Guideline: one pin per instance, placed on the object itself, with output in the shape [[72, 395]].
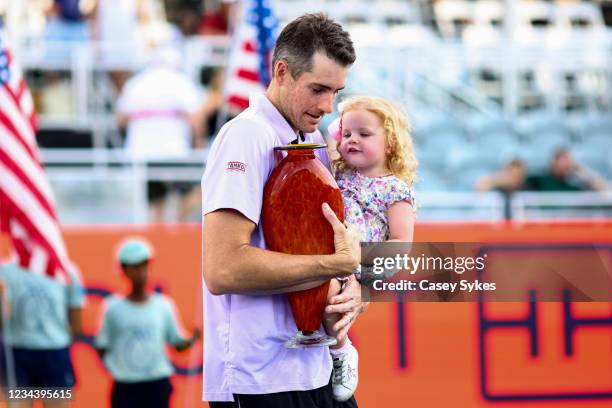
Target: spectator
[[565, 174], [160, 107], [115, 27], [508, 180], [221, 20], [65, 24], [211, 115], [44, 316]]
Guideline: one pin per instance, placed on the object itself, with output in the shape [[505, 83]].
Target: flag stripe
[[249, 65], [238, 101], [31, 168], [249, 46], [27, 208], [23, 198], [10, 127], [18, 201], [12, 117], [19, 173], [20, 90], [248, 75]]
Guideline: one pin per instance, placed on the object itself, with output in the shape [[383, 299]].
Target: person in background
[[66, 24], [221, 20], [134, 333], [159, 106], [565, 174], [211, 115], [43, 318], [115, 24], [509, 179]]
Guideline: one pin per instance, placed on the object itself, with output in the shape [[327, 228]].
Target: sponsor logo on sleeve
[[236, 166]]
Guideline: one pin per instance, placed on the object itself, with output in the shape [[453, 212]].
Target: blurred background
[[493, 89]]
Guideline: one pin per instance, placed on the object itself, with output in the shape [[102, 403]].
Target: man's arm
[[185, 344], [75, 318], [232, 265]]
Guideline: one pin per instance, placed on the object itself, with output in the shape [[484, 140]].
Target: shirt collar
[[261, 102]]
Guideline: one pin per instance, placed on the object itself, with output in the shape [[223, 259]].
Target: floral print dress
[[367, 199]]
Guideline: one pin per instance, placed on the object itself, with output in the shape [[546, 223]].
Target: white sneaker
[[344, 377]]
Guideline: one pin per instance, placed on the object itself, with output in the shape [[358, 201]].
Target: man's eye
[[317, 90]]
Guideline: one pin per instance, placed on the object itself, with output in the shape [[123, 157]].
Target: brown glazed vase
[[293, 222]]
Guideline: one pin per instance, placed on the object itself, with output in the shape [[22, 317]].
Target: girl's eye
[[364, 134], [346, 135]]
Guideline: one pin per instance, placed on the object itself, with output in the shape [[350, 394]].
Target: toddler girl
[[375, 170]]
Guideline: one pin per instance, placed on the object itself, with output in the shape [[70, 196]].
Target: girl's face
[[363, 142]]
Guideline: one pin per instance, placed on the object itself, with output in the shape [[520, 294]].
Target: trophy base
[[313, 339]]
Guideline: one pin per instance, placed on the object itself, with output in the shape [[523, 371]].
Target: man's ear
[[281, 71]]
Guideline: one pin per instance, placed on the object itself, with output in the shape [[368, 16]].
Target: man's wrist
[[334, 266]]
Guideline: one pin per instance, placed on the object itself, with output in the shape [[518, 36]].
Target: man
[[159, 106], [44, 316], [246, 314], [565, 174]]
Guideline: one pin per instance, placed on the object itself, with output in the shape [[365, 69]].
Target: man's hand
[[349, 304], [346, 242]]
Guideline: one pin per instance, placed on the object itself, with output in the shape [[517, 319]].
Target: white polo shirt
[[244, 335], [157, 102]]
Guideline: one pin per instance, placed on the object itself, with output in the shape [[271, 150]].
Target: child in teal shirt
[[135, 331]]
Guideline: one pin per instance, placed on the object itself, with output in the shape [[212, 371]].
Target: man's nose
[[326, 103]]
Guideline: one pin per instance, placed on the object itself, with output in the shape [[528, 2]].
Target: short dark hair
[[307, 34]]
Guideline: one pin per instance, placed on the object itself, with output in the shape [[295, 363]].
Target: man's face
[[304, 100], [562, 164]]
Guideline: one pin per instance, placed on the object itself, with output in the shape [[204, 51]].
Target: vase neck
[[301, 153]]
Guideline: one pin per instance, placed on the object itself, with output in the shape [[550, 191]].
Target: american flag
[[27, 207], [249, 64]]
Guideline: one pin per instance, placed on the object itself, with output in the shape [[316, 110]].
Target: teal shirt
[[135, 335], [38, 308]]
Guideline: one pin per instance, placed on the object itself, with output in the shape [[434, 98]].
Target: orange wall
[[417, 354]]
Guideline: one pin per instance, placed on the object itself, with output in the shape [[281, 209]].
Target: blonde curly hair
[[401, 160]]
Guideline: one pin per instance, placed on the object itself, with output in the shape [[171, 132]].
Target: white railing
[[555, 205]]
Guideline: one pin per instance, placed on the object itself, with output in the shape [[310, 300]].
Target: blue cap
[[134, 252]]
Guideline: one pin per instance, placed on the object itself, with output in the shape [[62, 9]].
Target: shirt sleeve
[[400, 191], [236, 169], [173, 334], [76, 292]]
